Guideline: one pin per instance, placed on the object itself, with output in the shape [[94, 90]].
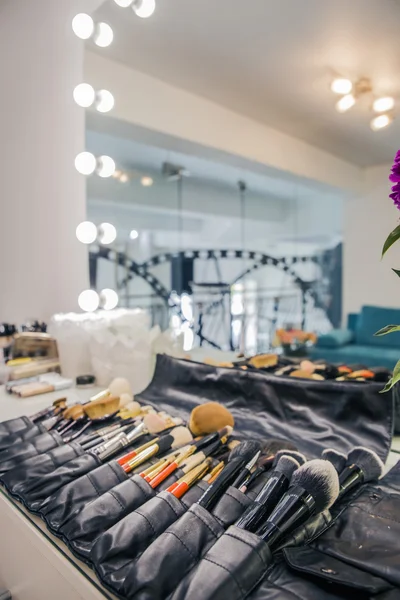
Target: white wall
[[368, 219]]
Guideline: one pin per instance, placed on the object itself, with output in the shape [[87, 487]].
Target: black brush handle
[[219, 487], [264, 503]]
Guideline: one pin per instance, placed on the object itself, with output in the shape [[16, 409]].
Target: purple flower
[[395, 195]]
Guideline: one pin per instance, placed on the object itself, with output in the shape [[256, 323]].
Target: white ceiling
[[273, 60]]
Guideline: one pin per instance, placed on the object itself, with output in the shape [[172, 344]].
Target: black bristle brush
[[338, 459], [314, 488], [238, 458], [271, 450], [362, 465], [269, 496]]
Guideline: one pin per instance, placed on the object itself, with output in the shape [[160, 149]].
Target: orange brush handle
[[163, 475], [172, 487], [124, 459], [180, 490]]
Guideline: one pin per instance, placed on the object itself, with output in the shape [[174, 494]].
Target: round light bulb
[[341, 86], [146, 181], [134, 234], [107, 234], [83, 26], [380, 122], [108, 299], [144, 8], [124, 178], [85, 163], [345, 103], [123, 3], [86, 232], [104, 101], [383, 104], [84, 95], [89, 301], [106, 166], [103, 35]]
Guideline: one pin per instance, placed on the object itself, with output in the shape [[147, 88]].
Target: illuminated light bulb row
[[85, 28], [382, 105], [142, 8], [87, 233], [86, 163], [90, 300], [85, 96]]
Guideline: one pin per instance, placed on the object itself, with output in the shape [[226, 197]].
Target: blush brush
[[336, 458]]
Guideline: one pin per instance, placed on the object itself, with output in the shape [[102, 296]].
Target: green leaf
[[393, 380], [397, 272], [391, 239], [387, 329]]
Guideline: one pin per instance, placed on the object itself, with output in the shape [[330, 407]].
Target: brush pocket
[[19, 452], [14, 426], [116, 551], [70, 498], [231, 568], [29, 473], [230, 507], [81, 531], [25, 435], [41, 493], [173, 555]]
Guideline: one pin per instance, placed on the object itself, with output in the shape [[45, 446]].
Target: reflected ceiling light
[[123, 3], [383, 104], [381, 121], [134, 234], [83, 26], [345, 103], [89, 301], [104, 101], [85, 163], [341, 86], [105, 166], [84, 95], [103, 35], [86, 232], [124, 178], [144, 8], [109, 299], [146, 181], [107, 234]]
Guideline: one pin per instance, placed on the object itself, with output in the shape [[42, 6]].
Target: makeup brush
[[269, 496], [336, 458], [246, 472], [212, 476], [207, 451], [362, 465], [213, 437], [237, 460], [177, 438], [298, 456], [173, 466], [155, 468], [180, 487], [209, 417], [263, 464], [314, 488]]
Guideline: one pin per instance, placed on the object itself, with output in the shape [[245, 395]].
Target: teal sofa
[[357, 344]]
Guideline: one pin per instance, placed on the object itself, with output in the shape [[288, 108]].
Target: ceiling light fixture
[[341, 86], [144, 8], [383, 104], [146, 181], [345, 103], [380, 122], [134, 234], [86, 232]]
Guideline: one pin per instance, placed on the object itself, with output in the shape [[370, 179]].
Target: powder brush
[[362, 465]]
